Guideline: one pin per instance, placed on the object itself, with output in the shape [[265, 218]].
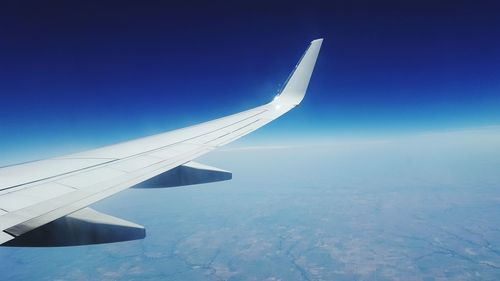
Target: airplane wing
[[44, 203]]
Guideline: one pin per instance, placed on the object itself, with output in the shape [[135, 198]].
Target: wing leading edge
[[37, 193]]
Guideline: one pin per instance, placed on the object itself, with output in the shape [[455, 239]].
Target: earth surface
[[423, 207]]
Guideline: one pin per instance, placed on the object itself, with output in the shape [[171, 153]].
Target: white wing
[[54, 193]]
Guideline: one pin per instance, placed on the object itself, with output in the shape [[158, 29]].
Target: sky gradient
[[80, 74]]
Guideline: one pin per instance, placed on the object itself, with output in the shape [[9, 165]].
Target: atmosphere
[[375, 156], [82, 74]]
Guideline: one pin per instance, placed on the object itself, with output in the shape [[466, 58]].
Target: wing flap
[[30, 196], [90, 178], [32, 172]]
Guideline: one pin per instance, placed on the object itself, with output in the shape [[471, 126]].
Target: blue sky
[[80, 74]]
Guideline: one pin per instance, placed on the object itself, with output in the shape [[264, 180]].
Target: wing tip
[[317, 41], [297, 83]]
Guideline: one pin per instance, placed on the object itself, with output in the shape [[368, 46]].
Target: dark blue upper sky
[[77, 74]]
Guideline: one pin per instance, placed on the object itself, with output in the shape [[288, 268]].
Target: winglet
[[296, 85]]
